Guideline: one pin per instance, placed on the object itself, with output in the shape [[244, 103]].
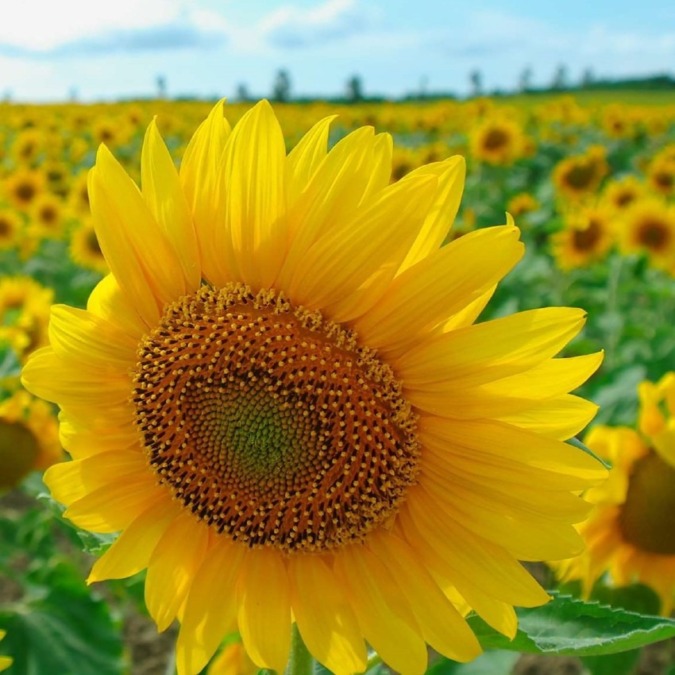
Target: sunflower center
[[495, 139], [645, 518], [580, 176], [587, 239], [272, 424], [653, 235]]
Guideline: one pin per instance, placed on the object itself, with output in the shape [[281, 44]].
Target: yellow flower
[[629, 532], [10, 228], [47, 216], [28, 438], [5, 661], [649, 227], [619, 194], [522, 203], [85, 249], [586, 238], [23, 186], [233, 660], [661, 176], [497, 140], [279, 399], [580, 175]]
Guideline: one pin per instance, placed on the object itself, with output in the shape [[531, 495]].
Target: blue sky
[[105, 50]]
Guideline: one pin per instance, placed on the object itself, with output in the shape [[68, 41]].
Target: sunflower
[[29, 439], [586, 238], [23, 186], [497, 140], [233, 660], [10, 228], [620, 193], [661, 176], [47, 216], [85, 250], [578, 176], [279, 399], [521, 204], [649, 227], [629, 532]]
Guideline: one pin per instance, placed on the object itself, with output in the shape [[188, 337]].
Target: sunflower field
[[311, 388]]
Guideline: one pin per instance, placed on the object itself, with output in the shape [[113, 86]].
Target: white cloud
[[291, 26], [36, 28]]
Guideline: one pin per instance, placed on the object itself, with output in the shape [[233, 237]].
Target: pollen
[[271, 423]]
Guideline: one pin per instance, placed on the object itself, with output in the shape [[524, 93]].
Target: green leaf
[[61, 628], [571, 626], [498, 662], [612, 664]]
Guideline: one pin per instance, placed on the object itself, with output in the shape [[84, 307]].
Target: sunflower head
[[629, 533], [580, 175], [279, 398]]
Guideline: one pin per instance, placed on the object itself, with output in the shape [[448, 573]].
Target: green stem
[[300, 661], [373, 660]]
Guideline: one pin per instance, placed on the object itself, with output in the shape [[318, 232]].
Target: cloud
[[132, 27], [293, 27]]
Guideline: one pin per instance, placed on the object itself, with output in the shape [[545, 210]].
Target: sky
[[96, 50]]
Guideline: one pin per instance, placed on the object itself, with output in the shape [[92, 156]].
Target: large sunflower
[[629, 533], [279, 399]]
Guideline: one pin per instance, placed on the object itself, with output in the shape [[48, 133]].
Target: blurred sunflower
[[580, 175], [620, 193], [586, 238], [24, 314], [279, 399], [85, 250], [47, 214], [497, 140], [521, 204], [649, 227], [10, 228], [630, 531], [23, 186], [661, 176], [29, 438]]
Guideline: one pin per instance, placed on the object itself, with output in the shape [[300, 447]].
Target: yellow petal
[[491, 350], [65, 381], [164, 196], [172, 567], [371, 243], [439, 286], [103, 436], [331, 197], [114, 507], [253, 196], [79, 334], [264, 615], [139, 254], [384, 617], [305, 158], [108, 302], [199, 175], [442, 625], [325, 620], [441, 215], [210, 608], [131, 551]]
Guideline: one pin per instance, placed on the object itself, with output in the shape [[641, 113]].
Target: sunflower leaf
[[571, 626]]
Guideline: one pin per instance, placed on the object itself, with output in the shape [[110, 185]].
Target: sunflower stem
[[373, 660], [300, 661]]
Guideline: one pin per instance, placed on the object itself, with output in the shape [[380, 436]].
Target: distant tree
[[559, 77], [242, 92], [281, 89], [476, 80], [161, 86], [525, 80], [587, 77], [355, 89]]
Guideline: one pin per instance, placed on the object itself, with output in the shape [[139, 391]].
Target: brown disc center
[[646, 517], [272, 424]]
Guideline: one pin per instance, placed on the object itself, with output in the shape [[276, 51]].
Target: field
[[590, 183]]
